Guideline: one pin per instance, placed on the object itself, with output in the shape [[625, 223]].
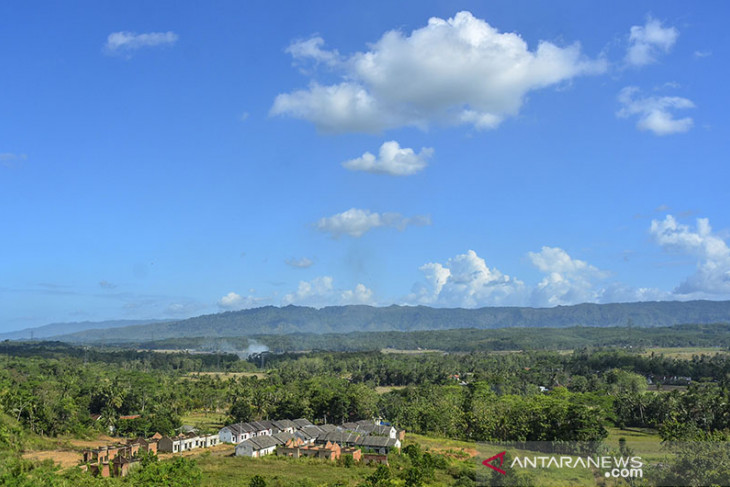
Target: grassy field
[[228, 375], [387, 389], [222, 471], [410, 352], [645, 442], [205, 421], [685, 353]]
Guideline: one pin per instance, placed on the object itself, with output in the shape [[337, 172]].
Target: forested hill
[[55, 329], [344, 319]]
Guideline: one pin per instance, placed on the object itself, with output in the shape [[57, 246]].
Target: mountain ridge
[[343, 319]]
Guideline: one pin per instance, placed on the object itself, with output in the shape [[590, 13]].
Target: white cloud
[[654, 113], [713, 267], [360, 295], [466, 72], [701, 54], [356, 222], [233, 301], [648, 41], [567, 280], [302, 263], [321, 292], [393, 160], [126, 42], [312, 49], [466, 281]]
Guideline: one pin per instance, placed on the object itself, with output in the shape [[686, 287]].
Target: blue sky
[[169, 159]]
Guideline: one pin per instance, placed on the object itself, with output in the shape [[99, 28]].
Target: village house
[[236, 433], [258, 446], [284, 426], [208, 440], [379, 444], [370, 435], [169, 444]]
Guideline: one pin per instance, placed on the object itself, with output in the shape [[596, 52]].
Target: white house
[[256, 447]]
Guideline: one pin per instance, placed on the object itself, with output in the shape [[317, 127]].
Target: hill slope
[[344, 319], [54, 329]]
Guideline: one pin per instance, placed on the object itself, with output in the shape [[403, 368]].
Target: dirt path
[[64, 458]]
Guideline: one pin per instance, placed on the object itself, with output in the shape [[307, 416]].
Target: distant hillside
[[343, 319], [55, 329]]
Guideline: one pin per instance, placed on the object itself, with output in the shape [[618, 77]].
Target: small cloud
[[302, 263], [356, 222], [321, 291], [233, 301], [311, 49], [393, 160], [126, 42], [9, 159], [648, 41], [107, 285], [702, 54], [654, 113], [244, 116], [662, 208]]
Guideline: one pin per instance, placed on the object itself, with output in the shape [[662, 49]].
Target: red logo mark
[[488, 463]]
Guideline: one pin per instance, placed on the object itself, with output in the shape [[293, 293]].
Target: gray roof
[[260, 442], [377, 441], [282, 438], [283, 424], [376, 429], [259, 426], [301, 422], [312, 430], [341, 437], [328, 428]]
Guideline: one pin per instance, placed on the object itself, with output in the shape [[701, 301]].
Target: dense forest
[[51, 389], [462, 340]]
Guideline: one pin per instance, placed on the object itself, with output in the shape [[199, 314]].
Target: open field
[[205, 421], [387, 389], [228, 375], [221, 471], [685, 353], [410, 352]]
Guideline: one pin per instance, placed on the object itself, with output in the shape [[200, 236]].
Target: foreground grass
[[221, 471]]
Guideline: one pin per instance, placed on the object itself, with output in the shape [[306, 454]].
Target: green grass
[[222, 471], [684, 353], [205, 421], [645, 442]]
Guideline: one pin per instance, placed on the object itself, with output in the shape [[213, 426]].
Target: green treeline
[[466, 339], [52, 389]]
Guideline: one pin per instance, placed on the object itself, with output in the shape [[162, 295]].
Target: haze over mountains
[[55, 329], [344, 319]]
